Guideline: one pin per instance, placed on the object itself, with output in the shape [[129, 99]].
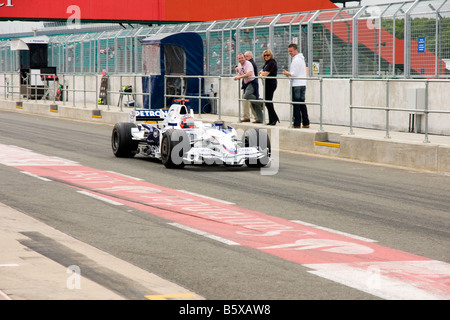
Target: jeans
[[300, 112]]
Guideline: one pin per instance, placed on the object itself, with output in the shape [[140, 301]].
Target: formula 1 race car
[[176, 139]]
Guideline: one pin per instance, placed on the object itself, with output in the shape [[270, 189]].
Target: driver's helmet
[[187, 122]]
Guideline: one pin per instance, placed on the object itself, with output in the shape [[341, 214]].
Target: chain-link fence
[[404, 39]]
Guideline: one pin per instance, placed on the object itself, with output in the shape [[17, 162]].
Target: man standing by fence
[[246, 72], [298, 70]]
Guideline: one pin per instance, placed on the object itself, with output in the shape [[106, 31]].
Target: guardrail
[[80, 89], [388, 108], [44, 87], [263, 100], [290, 102], [200, 96]]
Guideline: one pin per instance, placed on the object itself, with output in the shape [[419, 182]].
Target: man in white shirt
[[298, 70]]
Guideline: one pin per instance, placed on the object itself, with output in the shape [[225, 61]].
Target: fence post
[[96, 91], [321, 104], [20, 88], [64, 92], [35, 87], [73, 85], [219, 105], [54, 91], [135, 90], [84, 87], [120, 88], [351, 106], [199, 97], [264, 99], [239, 100], [387, 109], [4, 84], [291, 106], [426, 112], [165, 91]]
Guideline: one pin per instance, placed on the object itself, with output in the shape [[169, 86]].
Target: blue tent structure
[[171, 54]]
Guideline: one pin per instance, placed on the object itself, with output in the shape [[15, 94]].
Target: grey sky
[[18, 26]]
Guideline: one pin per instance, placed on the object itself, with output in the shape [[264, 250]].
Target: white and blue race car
[[174, 137]]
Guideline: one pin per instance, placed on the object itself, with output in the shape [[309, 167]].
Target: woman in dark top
[[270, 69]]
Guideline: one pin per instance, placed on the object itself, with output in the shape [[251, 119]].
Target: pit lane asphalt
[[403, 209]]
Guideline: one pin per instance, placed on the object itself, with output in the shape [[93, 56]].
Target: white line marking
[[5, 295], [126, 176], [35, 176], [100, 198], [334, 231], [9, 265], [206, 197], [394, 280], [204, 234]]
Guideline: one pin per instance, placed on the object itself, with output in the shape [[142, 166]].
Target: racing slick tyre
[[260, 139], [123, 146], [174, 145]]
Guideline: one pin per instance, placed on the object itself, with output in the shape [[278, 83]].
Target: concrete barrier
[[410, 155]]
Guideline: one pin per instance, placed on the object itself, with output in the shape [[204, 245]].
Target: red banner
[[151, 10]]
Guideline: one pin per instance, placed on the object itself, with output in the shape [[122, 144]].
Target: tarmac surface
[[28, 273], [22, 267]]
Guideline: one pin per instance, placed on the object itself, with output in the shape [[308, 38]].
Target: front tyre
[[174, 145], [122, 143], [260, 139]]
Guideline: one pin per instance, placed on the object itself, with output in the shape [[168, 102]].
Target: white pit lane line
[[100, 198], [334, 231], [124, 175], [206, 197], [35, 176], [204, 234]]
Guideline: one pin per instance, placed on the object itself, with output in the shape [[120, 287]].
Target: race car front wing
[[210, 156]]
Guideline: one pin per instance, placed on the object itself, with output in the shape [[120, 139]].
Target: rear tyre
[[174, 145], [123, 146], [260, 139]]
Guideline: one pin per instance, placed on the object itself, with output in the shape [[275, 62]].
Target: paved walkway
[[26, 273]]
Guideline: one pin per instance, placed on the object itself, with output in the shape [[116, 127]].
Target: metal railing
[[217, 98], [388, 108], [44, 87], [74, 94], [290, 102], [200, 96]]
